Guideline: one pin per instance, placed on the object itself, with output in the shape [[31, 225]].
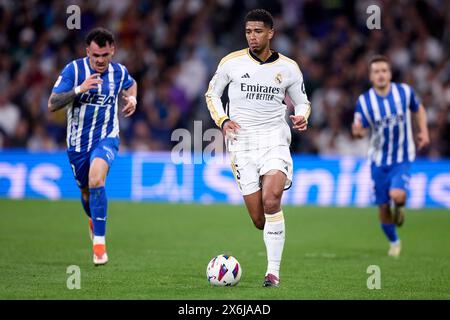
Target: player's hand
[[300, 122], [230, 130], [91, 82], [423, 140], [130, 107], [357, 129]]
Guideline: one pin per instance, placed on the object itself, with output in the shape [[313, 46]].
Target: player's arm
[[302, 106], [358, 131], [59, 100], [215, 90], [420, 118], [360, 124], [130, 97]]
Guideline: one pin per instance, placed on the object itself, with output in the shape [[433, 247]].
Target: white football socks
[[274, 232], [99, 240]]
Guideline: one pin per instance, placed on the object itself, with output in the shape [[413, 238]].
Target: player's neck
[[384, 90], [264, 55]]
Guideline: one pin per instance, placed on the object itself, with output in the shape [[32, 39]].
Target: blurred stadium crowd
[[172, 49]]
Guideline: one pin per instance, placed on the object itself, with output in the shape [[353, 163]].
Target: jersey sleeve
[[359, 115], [414, 102], [65, 81], [215, 90], [127, 79], [297, 93]]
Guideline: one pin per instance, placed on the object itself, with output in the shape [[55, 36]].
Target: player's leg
[[389, 229], [247, 177], [85, 200], [381, 181], [273, 183], [387, 222], [398, 192], [398, 197], [79, 163], [255, 208], [87, 209], [99, 205], [101, 160]]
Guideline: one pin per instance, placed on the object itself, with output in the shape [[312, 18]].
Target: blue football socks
[[98, 205], [390, 231]]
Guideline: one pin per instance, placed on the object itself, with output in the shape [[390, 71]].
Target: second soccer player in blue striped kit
[[388, 109], [89, 87]]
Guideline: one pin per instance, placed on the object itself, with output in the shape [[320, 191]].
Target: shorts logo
[[109, 153], [107, 149], [278, 78]]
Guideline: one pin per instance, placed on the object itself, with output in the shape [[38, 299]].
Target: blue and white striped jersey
[[93, 115], [389, 118]]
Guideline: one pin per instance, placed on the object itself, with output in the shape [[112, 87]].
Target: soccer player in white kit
[[256, 132]]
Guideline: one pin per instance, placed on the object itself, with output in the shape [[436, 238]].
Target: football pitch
[[160, 251]]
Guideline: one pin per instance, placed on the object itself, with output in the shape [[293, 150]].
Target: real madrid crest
[[278, 78]]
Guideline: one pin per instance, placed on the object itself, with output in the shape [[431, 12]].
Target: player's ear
[[88, 53], [271, 32], [113, 50]]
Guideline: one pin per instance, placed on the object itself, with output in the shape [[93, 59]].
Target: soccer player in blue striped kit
[[388, 108], [89, 87]]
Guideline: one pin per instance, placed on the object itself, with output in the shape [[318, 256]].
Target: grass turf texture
[[160, 251]]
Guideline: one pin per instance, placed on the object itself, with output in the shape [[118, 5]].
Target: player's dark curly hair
[[260, 15], [100, 36]]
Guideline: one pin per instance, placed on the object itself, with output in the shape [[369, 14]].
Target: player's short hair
[[260, 15], [100, 36], [379, 58]]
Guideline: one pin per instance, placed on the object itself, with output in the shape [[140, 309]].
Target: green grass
[[160, 251]]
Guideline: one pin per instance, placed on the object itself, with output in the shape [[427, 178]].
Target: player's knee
[[271, 203], [399, 197], [96, 181]]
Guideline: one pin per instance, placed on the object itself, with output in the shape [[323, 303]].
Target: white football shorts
[[249, 166]]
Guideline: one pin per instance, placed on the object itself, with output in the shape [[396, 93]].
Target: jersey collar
[[272, 58], [387, 94]]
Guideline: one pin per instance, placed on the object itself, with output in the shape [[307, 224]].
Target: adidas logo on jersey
[[245, 76]]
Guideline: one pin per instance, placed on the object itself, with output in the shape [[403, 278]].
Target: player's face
[[258, 36], [100, 57], [380, 74]]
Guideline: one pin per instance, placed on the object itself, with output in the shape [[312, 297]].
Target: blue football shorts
[[386, 178], [80, 162]]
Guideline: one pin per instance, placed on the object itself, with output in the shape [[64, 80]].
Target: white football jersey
[[256, 92]]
